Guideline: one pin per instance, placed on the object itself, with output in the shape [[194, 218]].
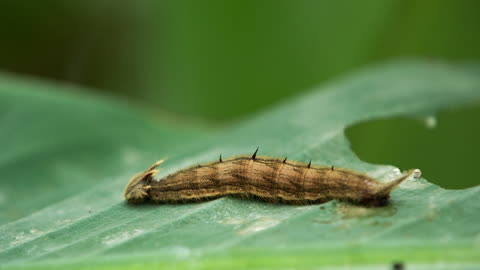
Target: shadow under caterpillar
[[269, 179]]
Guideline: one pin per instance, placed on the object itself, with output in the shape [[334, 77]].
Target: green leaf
[[66, 158]]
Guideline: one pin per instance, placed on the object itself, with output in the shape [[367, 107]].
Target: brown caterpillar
[[270, 179]]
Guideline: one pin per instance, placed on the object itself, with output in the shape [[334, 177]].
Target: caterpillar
[[269, 179]]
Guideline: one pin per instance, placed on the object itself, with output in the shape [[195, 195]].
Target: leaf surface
[[67, 157]]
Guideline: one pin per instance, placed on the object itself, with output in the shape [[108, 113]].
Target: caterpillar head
[[138, 186]]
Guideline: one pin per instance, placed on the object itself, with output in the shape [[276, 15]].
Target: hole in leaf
[[446, 148]]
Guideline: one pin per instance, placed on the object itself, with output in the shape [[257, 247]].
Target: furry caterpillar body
[[270, 179]]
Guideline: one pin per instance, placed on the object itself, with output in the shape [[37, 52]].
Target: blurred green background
[[221, 61]]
